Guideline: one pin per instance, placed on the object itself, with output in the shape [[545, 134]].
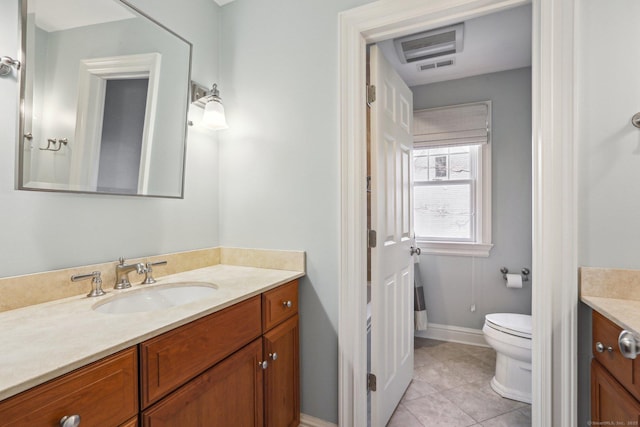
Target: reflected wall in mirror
[[105, 94]]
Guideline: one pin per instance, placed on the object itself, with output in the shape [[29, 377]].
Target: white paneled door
[[392, 219]]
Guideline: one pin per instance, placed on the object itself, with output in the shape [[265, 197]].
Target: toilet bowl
[[510, 336]]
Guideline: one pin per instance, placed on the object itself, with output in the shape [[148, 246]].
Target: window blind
[[462, 124]]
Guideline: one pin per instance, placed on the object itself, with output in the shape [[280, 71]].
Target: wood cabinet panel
[[274, 304], [104, 393], [611, 404], [171, 359], [133, 422], [229, 394], [282, 377], [607, 332]]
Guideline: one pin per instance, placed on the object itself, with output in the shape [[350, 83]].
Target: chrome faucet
[[122, 273]]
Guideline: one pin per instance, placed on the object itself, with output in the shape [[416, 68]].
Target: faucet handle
[[96, 283], [148, 276]]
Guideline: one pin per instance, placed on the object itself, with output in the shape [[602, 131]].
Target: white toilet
[[510, 336]]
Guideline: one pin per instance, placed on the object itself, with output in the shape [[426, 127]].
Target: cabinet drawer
[[104, 393], [275, 304], [606, 332], [171, 359]]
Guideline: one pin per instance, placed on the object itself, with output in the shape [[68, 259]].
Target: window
[[452, 180]]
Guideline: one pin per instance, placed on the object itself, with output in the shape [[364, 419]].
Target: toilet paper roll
[[514, 281]]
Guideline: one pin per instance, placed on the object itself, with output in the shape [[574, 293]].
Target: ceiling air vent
[[430, 44], [434, 65]]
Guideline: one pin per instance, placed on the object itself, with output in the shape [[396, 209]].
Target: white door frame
[[554, 264], [92, 84]]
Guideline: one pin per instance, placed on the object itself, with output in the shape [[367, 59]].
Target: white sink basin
[[156, 298]]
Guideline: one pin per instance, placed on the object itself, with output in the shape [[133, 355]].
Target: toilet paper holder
[[525, 273]]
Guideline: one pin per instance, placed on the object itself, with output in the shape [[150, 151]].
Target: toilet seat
[[518, 325]]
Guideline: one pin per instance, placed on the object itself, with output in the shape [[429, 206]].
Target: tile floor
[[451, 388]]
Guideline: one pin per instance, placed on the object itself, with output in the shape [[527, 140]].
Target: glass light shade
[[213, 116]]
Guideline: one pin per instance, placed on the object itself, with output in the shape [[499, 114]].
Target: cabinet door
[[282, 377], [611, 404], [229, 394]]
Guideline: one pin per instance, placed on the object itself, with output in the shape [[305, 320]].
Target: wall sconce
[[213, 117]]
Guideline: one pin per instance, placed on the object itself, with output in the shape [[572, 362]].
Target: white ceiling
[[496, 42], [65, 14]]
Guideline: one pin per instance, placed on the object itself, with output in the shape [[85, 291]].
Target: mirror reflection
[[105, 97]]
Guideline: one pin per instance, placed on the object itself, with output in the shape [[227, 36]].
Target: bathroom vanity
[[615, 379], [232, 359], [614, 296]]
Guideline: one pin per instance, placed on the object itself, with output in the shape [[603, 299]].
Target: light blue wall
[[45, 231], [279, 160], [608, 94], [453, 283]]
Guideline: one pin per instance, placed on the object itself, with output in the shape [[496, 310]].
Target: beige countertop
[[624, 313], [44, 341], [614, 293]]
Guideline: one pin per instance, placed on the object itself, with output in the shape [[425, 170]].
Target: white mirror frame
[[555, 294], [92, 85]]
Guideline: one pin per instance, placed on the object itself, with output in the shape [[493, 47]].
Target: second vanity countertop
[[44, 341], [624, 313], [614, 293]]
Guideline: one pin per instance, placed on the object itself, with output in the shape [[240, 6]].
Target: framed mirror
[[104, 99]]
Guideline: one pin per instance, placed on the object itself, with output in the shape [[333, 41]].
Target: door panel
[[282, 377], [392, 218], [229, 394]]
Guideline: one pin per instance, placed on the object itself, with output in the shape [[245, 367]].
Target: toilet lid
[[511, 323]]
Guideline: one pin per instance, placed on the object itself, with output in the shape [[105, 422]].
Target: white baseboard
[[309, 421], [453, 334]]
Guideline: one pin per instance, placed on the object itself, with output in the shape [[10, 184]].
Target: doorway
[[554, 207], [467, 67]]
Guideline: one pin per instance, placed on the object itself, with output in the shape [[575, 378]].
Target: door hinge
[[371, 94], [371, 382], [371, 238]]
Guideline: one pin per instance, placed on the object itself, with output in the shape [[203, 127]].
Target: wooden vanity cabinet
[[614, 387], [103, 393], [237, 367]]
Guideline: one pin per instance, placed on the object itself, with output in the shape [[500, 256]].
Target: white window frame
[[481, 189]]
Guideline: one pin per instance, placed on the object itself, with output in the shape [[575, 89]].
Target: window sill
[[455, 248]]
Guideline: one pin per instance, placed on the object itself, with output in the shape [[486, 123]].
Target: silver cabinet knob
[[273, 356], [70, 421], [287, 304], [415, 251], [264, 364], [628, 345], [600, 348]]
